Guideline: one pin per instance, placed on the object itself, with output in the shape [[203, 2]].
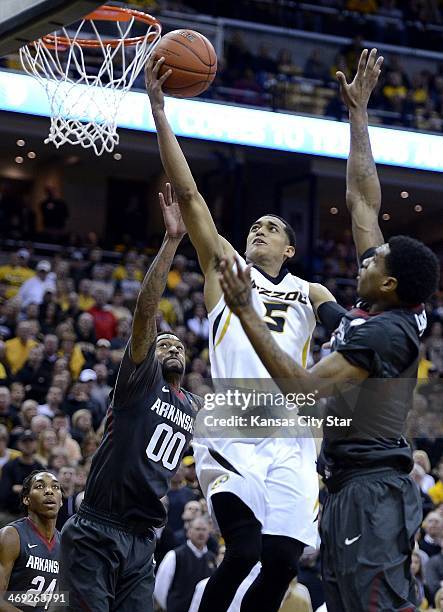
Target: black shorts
[[367, 530], [105, 568]]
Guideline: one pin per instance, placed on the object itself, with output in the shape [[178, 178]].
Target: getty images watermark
[[244, 400], [259, 410]]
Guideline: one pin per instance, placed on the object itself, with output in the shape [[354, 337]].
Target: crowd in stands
[[273, 78], [64, 324], [411, 23]]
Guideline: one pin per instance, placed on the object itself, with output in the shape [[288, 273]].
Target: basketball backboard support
[[22, 21]]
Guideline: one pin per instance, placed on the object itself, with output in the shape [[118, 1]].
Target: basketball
[[192, 59]]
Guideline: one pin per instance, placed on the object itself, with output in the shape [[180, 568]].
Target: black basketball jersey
[[35, 571], [148, 427], [386, 345]]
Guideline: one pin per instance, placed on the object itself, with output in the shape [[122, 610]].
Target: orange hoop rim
[[105, 13]]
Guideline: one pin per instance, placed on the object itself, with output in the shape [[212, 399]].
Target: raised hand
[[236, 287], [356, 94], [175, 227], [154, 83]]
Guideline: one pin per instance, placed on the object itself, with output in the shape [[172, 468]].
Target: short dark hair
[[415, 267], [290, 232], [27, 485]]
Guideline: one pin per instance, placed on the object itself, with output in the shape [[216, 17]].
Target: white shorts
[[275, 477]]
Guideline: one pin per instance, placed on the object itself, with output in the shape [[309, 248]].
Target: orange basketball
[[192, 59]]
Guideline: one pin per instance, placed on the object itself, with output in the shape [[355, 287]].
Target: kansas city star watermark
[[212, 420], [258, 409]]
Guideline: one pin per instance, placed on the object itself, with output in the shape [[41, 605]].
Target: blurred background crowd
[[64, 323], [413, 23], [404, 96], [275, 74]]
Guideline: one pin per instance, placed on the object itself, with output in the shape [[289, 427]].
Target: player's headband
[[168, 335]]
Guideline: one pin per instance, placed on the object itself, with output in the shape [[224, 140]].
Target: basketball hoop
[[87, 74]]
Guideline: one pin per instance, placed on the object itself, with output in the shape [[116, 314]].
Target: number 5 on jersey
[[275, 316], [166, 446]]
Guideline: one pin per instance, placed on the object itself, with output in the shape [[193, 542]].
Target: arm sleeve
[[164, 578], [330, 314], [132, 379]]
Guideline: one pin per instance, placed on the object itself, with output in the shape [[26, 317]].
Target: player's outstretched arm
[[202, 231], [288, 375], [325, 306], [363, 194], [144, 329], [9, 553]]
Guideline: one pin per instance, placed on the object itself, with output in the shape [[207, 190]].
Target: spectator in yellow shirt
[[175, 275], [168, 311], [17, 349], [120, 272], [424, 366], [436, 492], [3, 368], [394, 88], [85, 299], [420, 93], [16, 272], [73, 353]]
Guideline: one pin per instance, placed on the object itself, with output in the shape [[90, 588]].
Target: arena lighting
[[117, 156], [404, 194], [19, 159], [32, 155], [333, 210], [386, 217], [224, 123], [418, 208], [20, 143]]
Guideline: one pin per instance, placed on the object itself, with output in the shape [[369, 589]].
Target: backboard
[[22, 21]]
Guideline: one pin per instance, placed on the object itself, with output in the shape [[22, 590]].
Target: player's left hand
[[356, 94], [236, 286], [172, 217]]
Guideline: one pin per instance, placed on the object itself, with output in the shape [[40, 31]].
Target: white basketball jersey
[[284, 304], [274, 476]]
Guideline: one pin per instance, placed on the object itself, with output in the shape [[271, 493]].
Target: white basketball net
[[84, 105]]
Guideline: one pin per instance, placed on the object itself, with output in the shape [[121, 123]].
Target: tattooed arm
[[363, 194], [289, 376], [144, 329]]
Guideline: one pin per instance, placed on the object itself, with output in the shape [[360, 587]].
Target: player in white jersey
[[281, 487], [284, 303], [263, 492]]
